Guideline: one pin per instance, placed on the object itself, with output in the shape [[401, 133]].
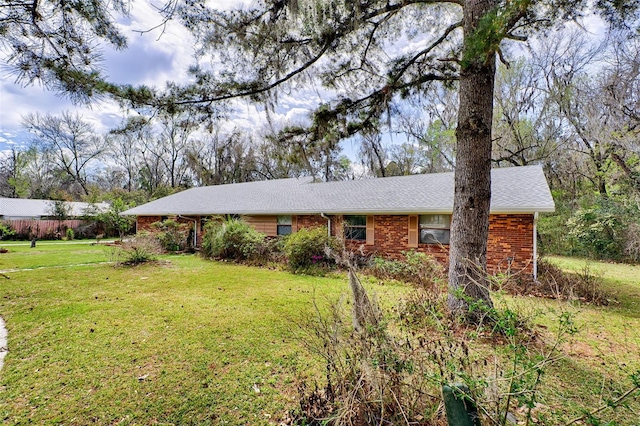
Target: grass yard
[[189, 341], [604, 354], [185, 342], [52, 254]]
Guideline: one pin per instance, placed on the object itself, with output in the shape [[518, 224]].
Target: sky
[[152, 59]]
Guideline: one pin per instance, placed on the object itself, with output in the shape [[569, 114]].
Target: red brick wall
[[311, 221], [143, 223], [510, 245]]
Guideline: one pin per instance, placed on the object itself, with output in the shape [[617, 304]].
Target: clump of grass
[[142, 249]]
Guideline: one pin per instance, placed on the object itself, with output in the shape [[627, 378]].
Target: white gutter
[[328, 223], [195, 229], [535, 247]]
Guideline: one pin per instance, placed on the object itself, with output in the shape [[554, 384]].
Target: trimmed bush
[[231, 239], [306, 248]]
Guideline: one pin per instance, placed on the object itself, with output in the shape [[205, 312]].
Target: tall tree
[[71, 142], [14, 178], [526, 127], [373, 154], [222, 158], [620, 87], [352, 48], [125, 146], [173, 143]]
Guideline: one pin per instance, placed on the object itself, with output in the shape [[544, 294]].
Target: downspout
[[328, 223], [195, 229], [535, 247]]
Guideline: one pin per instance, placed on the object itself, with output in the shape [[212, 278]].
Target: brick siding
[[509, 248], [143, 223], [312, 221], [510, 245]]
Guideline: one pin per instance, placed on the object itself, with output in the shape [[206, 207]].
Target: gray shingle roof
[[18, 207], [514, 190]]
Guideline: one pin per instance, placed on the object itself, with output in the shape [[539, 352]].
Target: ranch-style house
[[385, 216]]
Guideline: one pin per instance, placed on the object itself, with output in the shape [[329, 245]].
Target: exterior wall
[[509, 248], [268, 225], [510, 245], [143, 223], [313, 221]]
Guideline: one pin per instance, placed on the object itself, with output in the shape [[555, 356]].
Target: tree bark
[[468, 287]]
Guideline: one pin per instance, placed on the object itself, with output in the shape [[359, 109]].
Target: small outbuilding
[[46, 218], [28, 209]]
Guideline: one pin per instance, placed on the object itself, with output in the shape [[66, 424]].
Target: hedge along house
[[383, 216]]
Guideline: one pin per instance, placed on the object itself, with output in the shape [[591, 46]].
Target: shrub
[[6, 230], [416, 268], [307, 248], [552, 227], [597, 232], [143, 248], [70, 234], [231, 239], [172, 235]]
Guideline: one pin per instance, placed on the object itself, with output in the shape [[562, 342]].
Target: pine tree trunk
[[470, 222]]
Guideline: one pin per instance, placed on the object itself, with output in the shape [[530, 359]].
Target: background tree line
[[571, 104]]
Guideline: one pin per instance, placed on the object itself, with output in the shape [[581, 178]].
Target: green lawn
[[185, 342], [52, 253], [600, 359], [621, 280], [189, 341]]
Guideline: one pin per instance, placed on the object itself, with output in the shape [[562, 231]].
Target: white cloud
[[151, 59]]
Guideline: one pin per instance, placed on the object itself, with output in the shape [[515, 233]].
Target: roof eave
[[414, 210]]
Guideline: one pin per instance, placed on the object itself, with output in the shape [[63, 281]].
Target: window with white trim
[[355, 228], [284, 225], [435, 228]]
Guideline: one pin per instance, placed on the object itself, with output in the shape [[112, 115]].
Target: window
[[355, 228], [284, 225], [434, 228]]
